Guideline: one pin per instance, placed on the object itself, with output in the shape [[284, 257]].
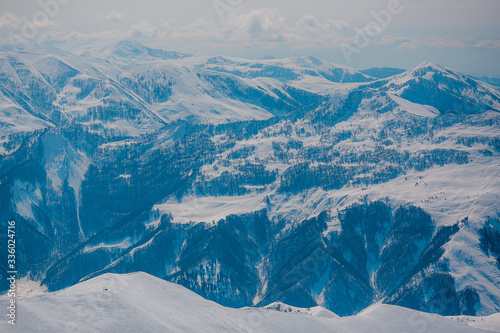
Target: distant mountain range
[[252, 182], [491, 80]]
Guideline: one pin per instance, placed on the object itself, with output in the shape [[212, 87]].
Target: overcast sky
[[460, 34]]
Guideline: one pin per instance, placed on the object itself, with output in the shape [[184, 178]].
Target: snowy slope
[[127, 89], [490, 323], [445, 89], [14, 119], [286, 70], [141, 303], [124, 51]]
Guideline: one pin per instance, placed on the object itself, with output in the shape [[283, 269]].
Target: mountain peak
[[444, 89], [128, 47], [429, 66]]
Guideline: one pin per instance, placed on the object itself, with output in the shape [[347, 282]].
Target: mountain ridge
[[231, 183]]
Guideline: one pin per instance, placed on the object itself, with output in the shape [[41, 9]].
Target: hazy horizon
[[461, 34]]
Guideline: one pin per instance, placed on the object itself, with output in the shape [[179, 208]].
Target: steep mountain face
[[253, 184]]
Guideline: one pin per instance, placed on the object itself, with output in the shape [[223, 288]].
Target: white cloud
[[145, 29], [263, 28], [488, 43], [262, 23], [44, 23], [446, 42], [9, 21], [114, 17], [340, 25], [59, 36]]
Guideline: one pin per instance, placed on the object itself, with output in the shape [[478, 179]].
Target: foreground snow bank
[[142, 303]]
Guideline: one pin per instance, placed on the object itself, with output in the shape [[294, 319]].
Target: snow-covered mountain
[[126, 89], [142, 303], [124, 52], [253, 182], [445, 89], [286, 70]]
